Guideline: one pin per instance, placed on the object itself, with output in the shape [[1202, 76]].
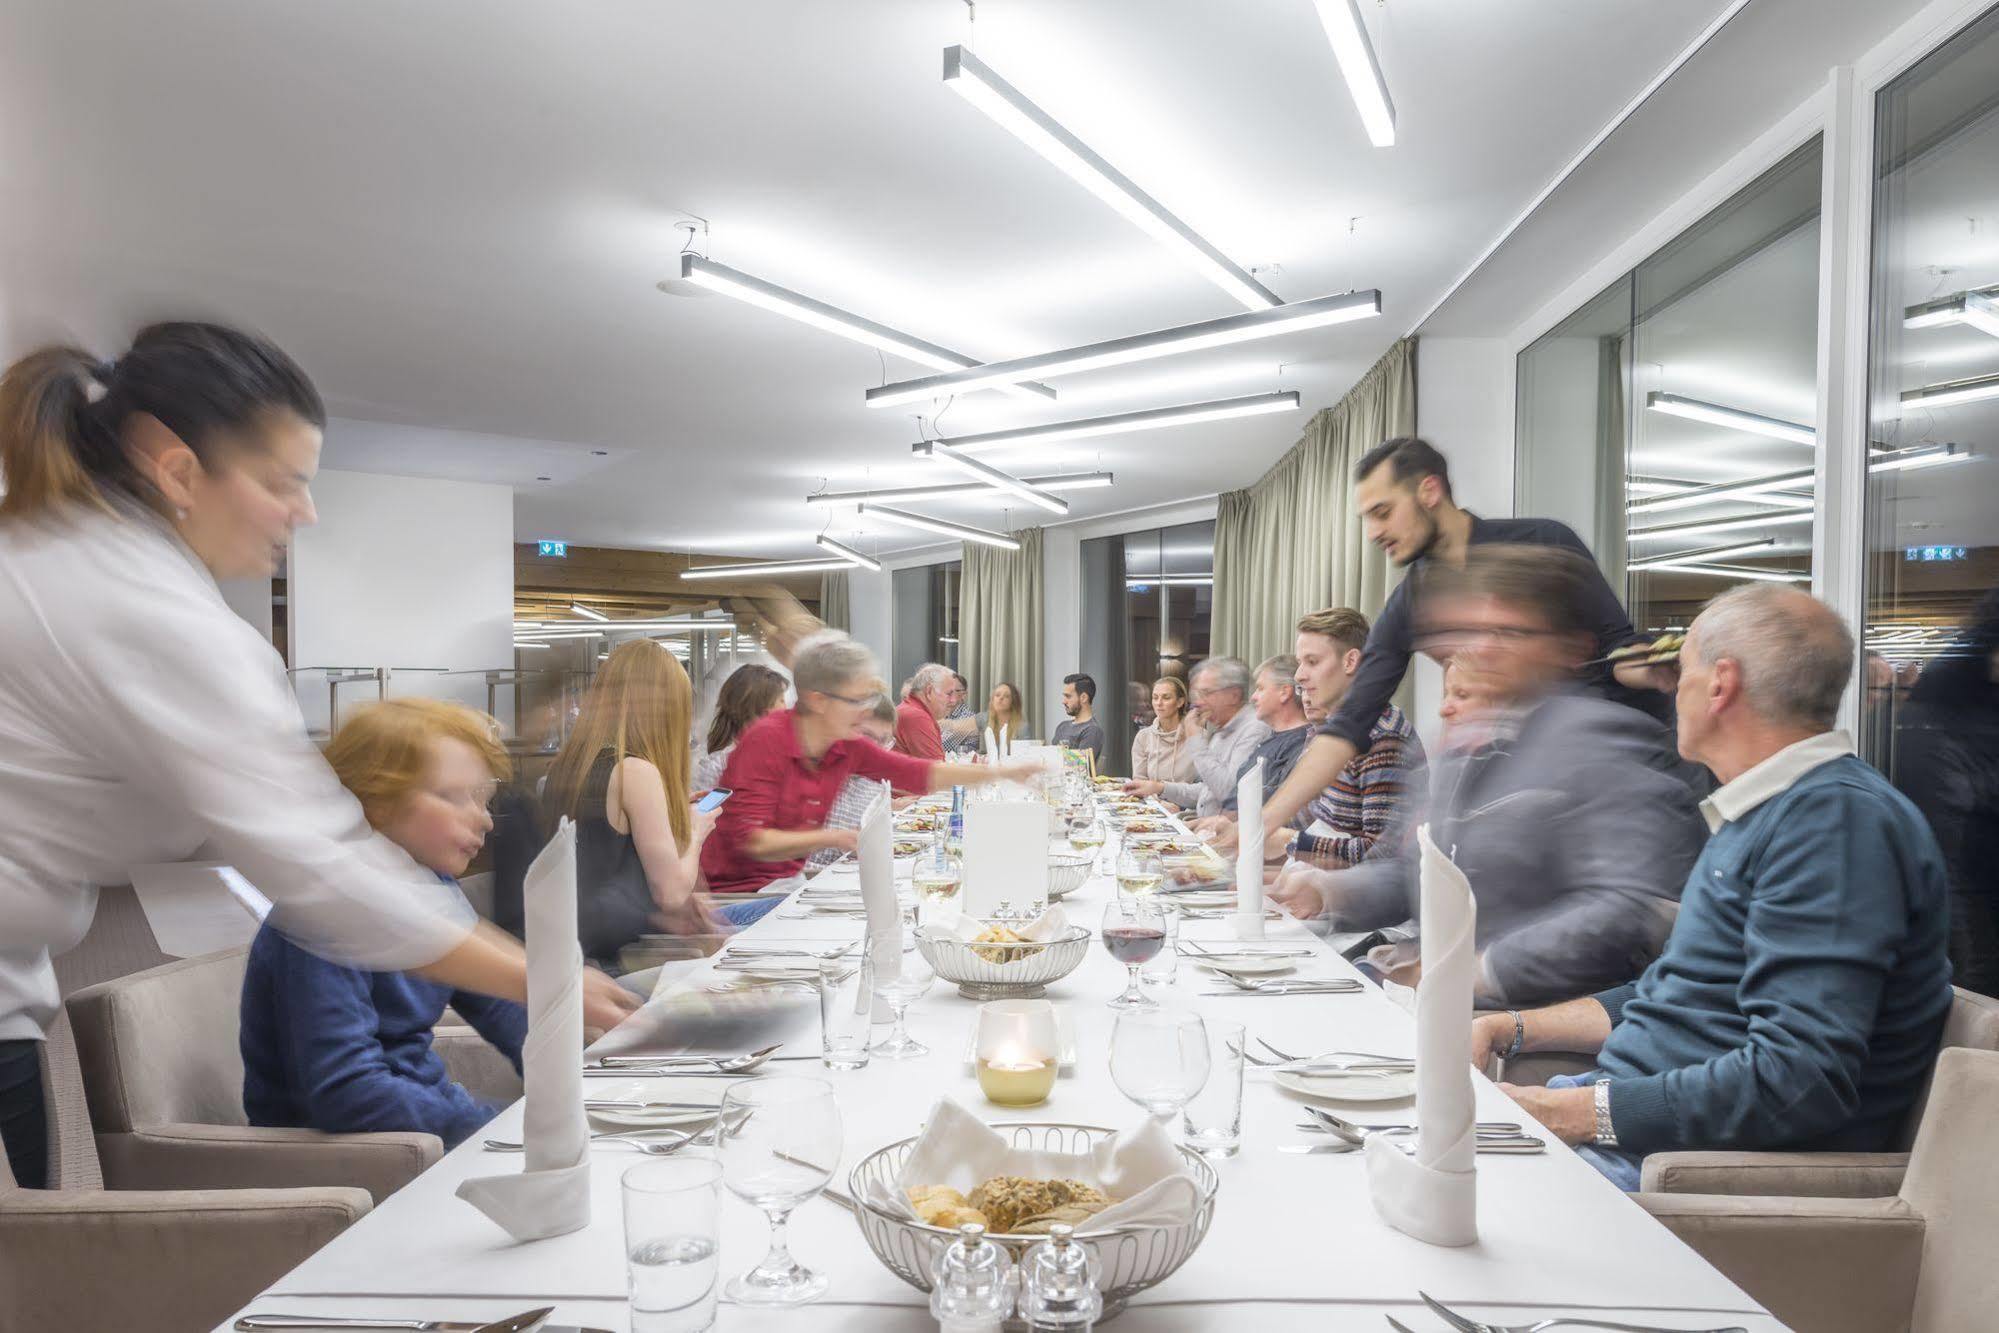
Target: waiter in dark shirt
[[1403, 490]]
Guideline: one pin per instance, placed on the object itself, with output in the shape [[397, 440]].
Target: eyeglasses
[[863, 701], [469, 798]]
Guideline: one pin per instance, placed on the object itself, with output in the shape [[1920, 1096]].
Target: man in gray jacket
[[1229, 732], [1574, 819]]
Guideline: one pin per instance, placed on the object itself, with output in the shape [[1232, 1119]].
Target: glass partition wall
[[1147, 603]]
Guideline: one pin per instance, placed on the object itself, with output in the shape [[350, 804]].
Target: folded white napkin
[[1051, 924], [1433, 1195], [551, 1194], [1249, 852], [877, 859], [1139, 1167]]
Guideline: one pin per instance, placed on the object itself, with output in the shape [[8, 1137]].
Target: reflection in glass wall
[[1147, 605], [1931, 664]]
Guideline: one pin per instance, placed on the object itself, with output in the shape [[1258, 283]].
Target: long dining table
[[1295, 1241]]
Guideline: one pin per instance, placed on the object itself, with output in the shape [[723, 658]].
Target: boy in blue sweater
[[338, 1049], [1802, 995]]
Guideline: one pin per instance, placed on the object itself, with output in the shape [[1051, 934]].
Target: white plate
[[1244, 966], [651, 1090], [1350, 1087]]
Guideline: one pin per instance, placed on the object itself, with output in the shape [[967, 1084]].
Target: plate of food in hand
[[1659, 652], [905, 847]]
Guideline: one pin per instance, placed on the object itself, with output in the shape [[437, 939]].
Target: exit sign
[[560, 550], [1926, 554]]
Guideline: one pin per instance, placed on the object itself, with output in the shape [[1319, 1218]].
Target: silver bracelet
[[1519, 1036], [1606, 1132]]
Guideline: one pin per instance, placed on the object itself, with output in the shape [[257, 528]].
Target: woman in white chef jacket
[[140, 718]]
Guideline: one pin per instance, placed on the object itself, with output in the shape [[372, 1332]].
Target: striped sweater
[[1367, 799]]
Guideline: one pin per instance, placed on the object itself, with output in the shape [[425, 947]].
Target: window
[[944, 613], [1147, 604], [926, 603], [1670, 421]]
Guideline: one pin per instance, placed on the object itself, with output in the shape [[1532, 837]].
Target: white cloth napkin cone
[[1433, 1195], [1140, 1168], [1249, 853], [877, 858], [551, 1194]]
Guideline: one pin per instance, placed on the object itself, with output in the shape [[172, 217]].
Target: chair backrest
[[1973, 1023], [1952, 1180], [160, 1047]]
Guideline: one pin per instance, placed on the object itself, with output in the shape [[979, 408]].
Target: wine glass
[[1134, 930], [938, 875], [779, 1139], [1138, 871], [1085, 833], [1159, 1058], [912, 978]]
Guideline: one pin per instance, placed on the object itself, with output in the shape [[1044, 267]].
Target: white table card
[[1006, 856]]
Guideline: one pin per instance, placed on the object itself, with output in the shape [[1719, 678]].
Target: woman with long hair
[[748, 693], [1003, 714], [144, 718], [1159, 752]]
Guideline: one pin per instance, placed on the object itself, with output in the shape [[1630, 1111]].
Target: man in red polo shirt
[[789, 766], [916, 731]]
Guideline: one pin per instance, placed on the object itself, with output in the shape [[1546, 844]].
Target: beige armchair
[[1918, 1257]]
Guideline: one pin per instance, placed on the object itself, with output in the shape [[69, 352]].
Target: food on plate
[[1144, 826], [942, 1206], [990, 944], [916, 822], [1665, 648], [907, 848], [1184, 849]]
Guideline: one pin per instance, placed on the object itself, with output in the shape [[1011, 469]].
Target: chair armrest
[[1829, 1265], [179, 1259], [1815, 1175], [235, 1157], [477, 1065]]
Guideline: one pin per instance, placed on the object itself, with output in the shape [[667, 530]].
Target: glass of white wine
[[937, 878], [1138, 872], [1086, 834]]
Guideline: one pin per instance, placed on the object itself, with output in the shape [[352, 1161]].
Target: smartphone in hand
[[713, 800]]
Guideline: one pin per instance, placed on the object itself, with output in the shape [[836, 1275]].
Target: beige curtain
[[835, 608], [1292, 542], [999, 619]]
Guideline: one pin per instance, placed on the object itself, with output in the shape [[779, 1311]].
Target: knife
[[514, 1323]]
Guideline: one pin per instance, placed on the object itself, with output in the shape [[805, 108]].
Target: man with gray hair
[[916, 730], [1280, 706], [1226, 735], [1801, 998]]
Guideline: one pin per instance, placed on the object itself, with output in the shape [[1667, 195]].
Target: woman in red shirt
[[789, 766]]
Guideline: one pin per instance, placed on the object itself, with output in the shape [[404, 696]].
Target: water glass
[[846, 1007], [1214, 1114], [910, 981], [779, 1139], [1159, 1058], [1163, 968], [673, 1212]]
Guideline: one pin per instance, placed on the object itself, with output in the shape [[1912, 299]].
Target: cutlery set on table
[[527, 1321], [1460, 1324]]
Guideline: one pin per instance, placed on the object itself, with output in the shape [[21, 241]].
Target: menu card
[[1006, 856]]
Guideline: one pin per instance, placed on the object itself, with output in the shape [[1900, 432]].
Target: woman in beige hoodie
[[1160, 751]]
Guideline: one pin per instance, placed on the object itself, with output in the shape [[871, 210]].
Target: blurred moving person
[[1226, 734], [857, 794], [1159, 752], [748, 693]]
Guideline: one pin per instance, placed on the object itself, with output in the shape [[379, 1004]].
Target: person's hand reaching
[[605, 1003], [1297, 892]]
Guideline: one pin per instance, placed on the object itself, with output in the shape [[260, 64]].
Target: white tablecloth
[[1294, 1234]]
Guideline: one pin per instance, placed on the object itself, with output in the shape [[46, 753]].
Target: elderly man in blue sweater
[[1802, 994]]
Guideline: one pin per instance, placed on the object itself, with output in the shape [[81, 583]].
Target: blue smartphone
[[713, 800]]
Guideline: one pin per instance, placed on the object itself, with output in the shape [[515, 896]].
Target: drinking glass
[[938, 875], [1159, 1058], [778, 1139], [1163, 968], [1134, 930], [1214, 1114], [911, 980], [1085, 833], [1139, 871], [673, 1213], [846, 1008]]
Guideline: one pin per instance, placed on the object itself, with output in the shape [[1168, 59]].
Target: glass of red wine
[[1134, 932]]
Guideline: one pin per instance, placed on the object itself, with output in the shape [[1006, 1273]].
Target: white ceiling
[[455, 213]]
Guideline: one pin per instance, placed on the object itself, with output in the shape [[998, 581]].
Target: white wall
[[871, 607], [1061, 619], [250, 599], [403, 572]]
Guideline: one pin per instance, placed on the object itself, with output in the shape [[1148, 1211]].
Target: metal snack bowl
[[1130, 1259], [1067, 871], [1022, 972]]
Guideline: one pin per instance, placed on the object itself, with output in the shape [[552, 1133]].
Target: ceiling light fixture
[[1712, 553], [1693, 409], [1978, 307], [1755, 488], [1071, 481], [1230, 329], [553, 635], [849, 554], [768, 296], [1674, 530], [991, 476], [522, 644], [756, 568], [1169, 580], [588, 613], [1950, 392], [969, 77], [1151, 418], [1738, 572], [1361, 70], [940, 525], [1926, 455]]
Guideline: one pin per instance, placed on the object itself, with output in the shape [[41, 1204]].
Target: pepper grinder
[[1058, 1285], [972, 1288]]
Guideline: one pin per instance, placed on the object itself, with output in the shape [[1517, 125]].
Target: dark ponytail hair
[[63, 412]]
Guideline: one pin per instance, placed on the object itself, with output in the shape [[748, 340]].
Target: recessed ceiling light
[[992, 476], [1714, 414], [941, 525], [1072, 481], [763, 567], [1355, 53], [848, 553], [1975, 389], [1151, 418]]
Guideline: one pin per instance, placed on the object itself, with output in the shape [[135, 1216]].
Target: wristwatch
[[1606, 1133]]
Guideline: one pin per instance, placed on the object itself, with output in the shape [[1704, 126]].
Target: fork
[[726, 1063], [1486, 1130], [1362, 1055], [1336, 984], [1464, 1325]]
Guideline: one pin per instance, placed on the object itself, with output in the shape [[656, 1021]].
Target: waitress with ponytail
[[141, 719]]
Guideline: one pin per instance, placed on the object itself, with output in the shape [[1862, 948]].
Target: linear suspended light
[[626, 627], [1693, 409], [993, 477], [518, 643], [1361, 70], [588, 613], [944, 526], [1151, 418], [1071, 481], [1927, 455], [969, 77], [1758, 489], [1711, 553], [1972, 390], [1978, 307], [763, 567], [1674, 530], [849, 554], [1169, 581], [552, 635], [1230, 329], [769, 296], [1737, 572]]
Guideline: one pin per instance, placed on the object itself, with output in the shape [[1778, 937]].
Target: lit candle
[[1016, 1044], [1014, 1078]]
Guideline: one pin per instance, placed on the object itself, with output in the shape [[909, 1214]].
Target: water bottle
[[1058, 1285], [972, 1284], [955, 835]]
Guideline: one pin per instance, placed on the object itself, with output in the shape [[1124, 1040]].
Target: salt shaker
[[1058, 1285], [972, 1284]]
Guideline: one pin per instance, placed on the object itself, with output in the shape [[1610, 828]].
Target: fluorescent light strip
[[1230, 329], [848, 553], [1928, 455], [1073, 481], [1757, 489], [763, 567], [522, 644], [1170, 581], [1152, 418], [588, 613], [1971, 390], [551, 635], [969, 77], [769, 296], [1711, 553], [1956, 309], [1674, 530], [1361, 70], [993, 477], [1981, 312], [1693, 409], [945, 526], [1738, 572]]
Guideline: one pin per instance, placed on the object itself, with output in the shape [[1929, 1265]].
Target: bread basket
[[1019, 971]]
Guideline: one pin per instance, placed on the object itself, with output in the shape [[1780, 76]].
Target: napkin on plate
[[1433, 1195], [1249, 852], [550, 1196], [1139, 1167]]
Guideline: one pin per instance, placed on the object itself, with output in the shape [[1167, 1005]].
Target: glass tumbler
[[1214, 1114], [673, 1211], [846, 1009]]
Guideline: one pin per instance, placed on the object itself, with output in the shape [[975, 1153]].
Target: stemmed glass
[[910, 981], [779, 1139], [938, 875], [1159, 1058], [1134, 930], [1139, 871]]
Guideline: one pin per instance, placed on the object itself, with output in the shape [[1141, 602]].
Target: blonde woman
[[1160, 752]]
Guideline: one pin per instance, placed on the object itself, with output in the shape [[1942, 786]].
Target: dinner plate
[[1350, 1087], [1247, 966], [659, 1118]]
